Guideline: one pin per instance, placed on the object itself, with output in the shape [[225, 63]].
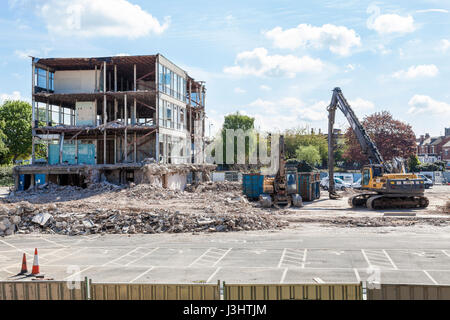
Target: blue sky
[[275, 60]]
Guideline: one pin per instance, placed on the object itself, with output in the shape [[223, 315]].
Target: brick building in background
[[431, 149]]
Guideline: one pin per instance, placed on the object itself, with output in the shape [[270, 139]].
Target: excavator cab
[[369, 173]]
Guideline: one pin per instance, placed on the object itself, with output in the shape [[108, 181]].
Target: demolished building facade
[[107, 118]]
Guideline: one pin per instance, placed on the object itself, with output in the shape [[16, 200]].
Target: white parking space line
[[304, 258], [121, 257], [430, 277], [284, 275], [390, 260], [366, 258], [446, 253], [378, 258], [358, 278], [210, 258], [282, 257], [293, 258], [13, 246], [318, 280], [148, 253], [53, 242], [142, 274], [213, 274], [77, 273], [223, 256]]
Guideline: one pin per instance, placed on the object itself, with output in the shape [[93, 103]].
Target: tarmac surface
[[312, 254]]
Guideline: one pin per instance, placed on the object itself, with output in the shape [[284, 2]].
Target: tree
[[310, 154], [295, 138], [16, 126], [392, 137], [3, 148], [238, 122], [413, 163]]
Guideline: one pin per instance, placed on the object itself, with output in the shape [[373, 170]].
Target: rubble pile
[[148, 191], [214, 186], [446, 207], [160, 169], [50, 192], [29, 218]]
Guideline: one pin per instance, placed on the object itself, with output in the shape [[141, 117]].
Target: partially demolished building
[[107, 118]]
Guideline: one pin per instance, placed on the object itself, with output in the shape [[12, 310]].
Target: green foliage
[[3, 148], [309, 154], [413, 163], [295, 138], [235, 122], [6, 178], [16, 126], [238, 121], [436, 166]]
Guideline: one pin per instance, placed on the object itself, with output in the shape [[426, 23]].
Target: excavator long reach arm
[[390, 187], [367, 146]]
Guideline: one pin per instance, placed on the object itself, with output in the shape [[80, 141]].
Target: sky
[[277, 61]]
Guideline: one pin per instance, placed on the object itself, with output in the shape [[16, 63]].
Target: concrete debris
[[214, 186], [105, 208], [41, 218], [160, 169], [119, 221], [446, 207]]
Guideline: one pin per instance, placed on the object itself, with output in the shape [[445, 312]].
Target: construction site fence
[[127, 291], [86, 290], [293, 292]]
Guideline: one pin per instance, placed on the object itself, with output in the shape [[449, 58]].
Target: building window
[[40, 78], [171, 83]]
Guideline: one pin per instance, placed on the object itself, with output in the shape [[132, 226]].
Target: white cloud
[[361, 105], [420, 104], [88, 18], [432, 10], [258, 63], [265, 88], [13, 96], [338, 39], [287, 113], [420, 71], [25, 54], [389, 23], [239, 90], [350, 67], [444, 45]]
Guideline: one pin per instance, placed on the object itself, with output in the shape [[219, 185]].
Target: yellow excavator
[[386, 182]]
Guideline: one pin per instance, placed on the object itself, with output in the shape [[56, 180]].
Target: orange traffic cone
[[35, 270], [24, 269]]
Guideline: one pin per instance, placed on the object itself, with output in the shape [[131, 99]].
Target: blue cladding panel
[[86, 154], [53, 154], [69, 151]]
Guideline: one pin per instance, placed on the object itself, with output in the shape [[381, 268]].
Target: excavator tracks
[[380, 201]]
